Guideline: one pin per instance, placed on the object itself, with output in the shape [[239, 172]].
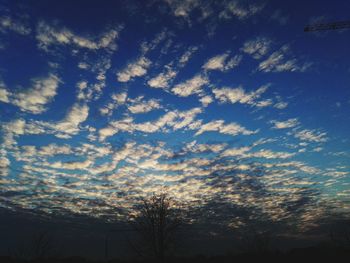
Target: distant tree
[[340, 233], [157, 220], [256, 241], [38, 247]]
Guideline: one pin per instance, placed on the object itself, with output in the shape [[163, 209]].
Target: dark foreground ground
[[294, 255]]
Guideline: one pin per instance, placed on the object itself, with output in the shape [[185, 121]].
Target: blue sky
[[224, 102]]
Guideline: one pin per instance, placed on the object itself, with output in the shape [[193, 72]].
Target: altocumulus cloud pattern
[[228, 106]]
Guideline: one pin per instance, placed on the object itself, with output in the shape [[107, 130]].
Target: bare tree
[[39, 247], [157, 221], [256, 241], [340, 233]]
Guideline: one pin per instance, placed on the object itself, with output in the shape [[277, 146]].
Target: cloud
[[71, 165], [172, 119], [9, 24], [279, 17], [281, 105], [4, 166], [135, 69], [54, 35], [16, 126], [239, 10], [35, 98], [139, 106], [216, 63], [206, 100], [118, 99], [290, 123], [277, 62], [54, 149], [244, 152], [135, 106], [62, 129], [89, 167], [182, 8], [11, 130], [186, 56], [268, 154], [220, 62], [221, 127], [195, 147], [151, 45], [257, 47], [311, 136], [239, 95], [76, 115], [4, 94], [236, 151], [191, 86], [162, 80]]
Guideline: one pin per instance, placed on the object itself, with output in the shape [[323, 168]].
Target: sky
[[227, 106]]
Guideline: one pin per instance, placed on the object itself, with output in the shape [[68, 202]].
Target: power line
[[327, 26]]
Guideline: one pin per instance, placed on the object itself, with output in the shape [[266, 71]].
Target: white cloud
[[239, 10], [51, 34], [148, 46], [35, 98], [311, 136], [221, 127], [290, 123], [173, 119], [162, 80], [206, 100], [233, 62], [216, 63], [194, 147], [139, 106], [268, 154], [191, 86], [135, 106], [186, 56], [182, 8], [257, 47], [16, 127], [9, 24], [221, 63], [277, 62], [135, 69], [281, 105], [120, 98], [4, 166], [63, 129], [71, 165], [4, 95], [263, 103], [239, 95], [11, 130], [76, 115], [54, 149], [236, 151], [4, 162]]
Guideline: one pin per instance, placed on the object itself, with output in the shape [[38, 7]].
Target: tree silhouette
[[340, 233], [157, 221], [256, 241], [38, 247]]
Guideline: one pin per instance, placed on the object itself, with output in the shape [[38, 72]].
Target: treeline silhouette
[[308, 253], [156, 220]]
